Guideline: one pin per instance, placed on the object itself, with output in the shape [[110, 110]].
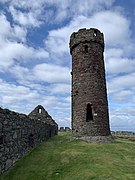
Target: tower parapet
[[86, 35]]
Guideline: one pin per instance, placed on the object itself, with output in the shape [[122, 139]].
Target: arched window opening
[[39, 111], [86, 49], [95, 33], [89, 116]]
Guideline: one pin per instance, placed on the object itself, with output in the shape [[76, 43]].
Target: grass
[[61, 158]]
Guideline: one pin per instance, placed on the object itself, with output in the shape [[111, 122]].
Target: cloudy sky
[[35, 62]]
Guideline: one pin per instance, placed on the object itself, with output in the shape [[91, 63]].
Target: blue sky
[[35, 62]]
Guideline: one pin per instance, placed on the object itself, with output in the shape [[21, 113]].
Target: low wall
[[18, 134], [123, 133]]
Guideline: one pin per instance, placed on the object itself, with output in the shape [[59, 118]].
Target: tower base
[[96, 139]]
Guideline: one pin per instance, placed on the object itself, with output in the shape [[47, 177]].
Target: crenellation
[[86, 36]]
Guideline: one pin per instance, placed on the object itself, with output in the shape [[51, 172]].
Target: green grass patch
[[61, 158]]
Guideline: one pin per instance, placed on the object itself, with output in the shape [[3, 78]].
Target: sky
[[35, 60]]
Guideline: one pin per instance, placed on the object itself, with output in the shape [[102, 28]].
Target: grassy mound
[[60, 158]]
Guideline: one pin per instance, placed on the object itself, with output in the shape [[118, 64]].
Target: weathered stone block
[[9, 163]]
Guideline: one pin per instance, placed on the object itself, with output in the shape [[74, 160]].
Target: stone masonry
[[90, 119], [39, 113], [19, 133]]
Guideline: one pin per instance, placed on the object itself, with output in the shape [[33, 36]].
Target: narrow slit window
[[39, 111], [86, 49], [1, 139], [89, 116]]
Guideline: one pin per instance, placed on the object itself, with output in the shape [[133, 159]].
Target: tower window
[[1, 139], [39, 111], [86, 49], [76, 92], [89, 116]]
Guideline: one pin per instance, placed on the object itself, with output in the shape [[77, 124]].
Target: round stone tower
[[90, 119]]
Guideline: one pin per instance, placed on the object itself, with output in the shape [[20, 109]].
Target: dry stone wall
[[18, 134]]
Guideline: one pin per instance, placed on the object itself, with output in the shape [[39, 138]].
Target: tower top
[[86, 35]]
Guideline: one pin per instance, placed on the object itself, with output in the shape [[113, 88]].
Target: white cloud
[[32, 4], [57, 44], [116, 62], [60, 88], [120, 65], [62, 112], [12, 93], [52, 73], [123, 118], [69, 8], [20, 33], [24, 99], [17, 52], [121, 90], [19, 71], [114, 25], [25, 19], [4, 1], [123, 96], [113, 52], [121, 82], [18, 96], [56, 77], [63, 9], [11, 50], [8, 33]]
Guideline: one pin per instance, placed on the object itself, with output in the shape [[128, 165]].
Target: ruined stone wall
[[18, 134], [89, 97]]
